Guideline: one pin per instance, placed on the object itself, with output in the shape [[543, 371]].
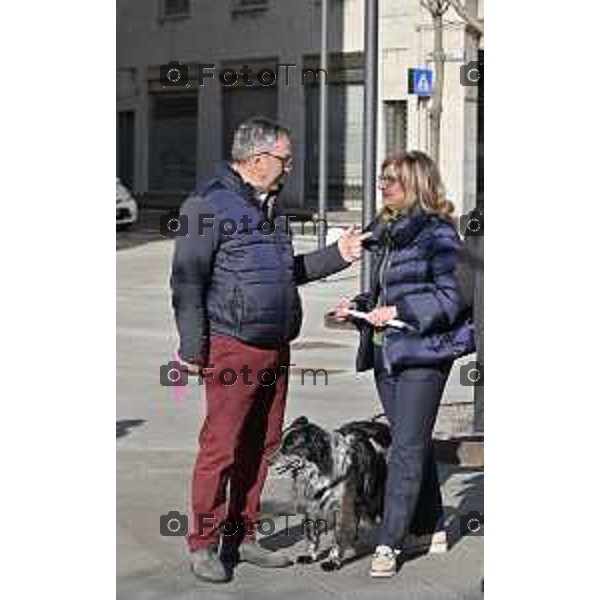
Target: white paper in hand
[[396, 323]]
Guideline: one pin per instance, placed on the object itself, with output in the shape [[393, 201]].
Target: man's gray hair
[[256, 135]]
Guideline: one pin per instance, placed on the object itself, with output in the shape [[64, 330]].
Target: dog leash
[[377, 417], [319, 494]]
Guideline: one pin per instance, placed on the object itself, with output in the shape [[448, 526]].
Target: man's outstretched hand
[[350, 243]]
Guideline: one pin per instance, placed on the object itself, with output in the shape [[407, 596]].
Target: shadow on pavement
[[124, 426], [470, 503], [470, 506], [284, 539]]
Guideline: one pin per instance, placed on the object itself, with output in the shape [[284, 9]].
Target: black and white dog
[[338, 479]]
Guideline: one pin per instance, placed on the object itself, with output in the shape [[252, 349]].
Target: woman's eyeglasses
[[385, 180]]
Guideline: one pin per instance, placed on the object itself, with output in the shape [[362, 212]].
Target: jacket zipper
[[282, 319], [382, 272], [239, 306]]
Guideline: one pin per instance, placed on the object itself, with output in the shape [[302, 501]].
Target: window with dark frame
[[245, 3], [248, 6], [175, 8], [396, 120]]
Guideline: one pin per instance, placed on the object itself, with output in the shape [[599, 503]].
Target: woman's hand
[[340, 312], [380, 316]]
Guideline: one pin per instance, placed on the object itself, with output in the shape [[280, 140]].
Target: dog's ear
[[299, 422]]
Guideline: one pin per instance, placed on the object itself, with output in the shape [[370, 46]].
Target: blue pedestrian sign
[[420, 82]]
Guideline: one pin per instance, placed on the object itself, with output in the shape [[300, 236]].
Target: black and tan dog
[[338, 479]]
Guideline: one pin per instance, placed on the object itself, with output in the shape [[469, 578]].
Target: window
[[175, 8], [395, 126], [247, 3], [125, 146], [172, 132], [344, 149], [248, 6]]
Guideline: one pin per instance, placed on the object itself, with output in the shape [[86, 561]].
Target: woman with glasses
[[416, 249]]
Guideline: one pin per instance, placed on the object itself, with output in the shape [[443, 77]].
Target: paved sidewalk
[[156, 445]]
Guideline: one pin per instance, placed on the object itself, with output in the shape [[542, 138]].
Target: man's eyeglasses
[[385, 180], [286, 161]]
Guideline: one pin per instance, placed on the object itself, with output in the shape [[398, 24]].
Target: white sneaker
[[428, 543], [384, 562]]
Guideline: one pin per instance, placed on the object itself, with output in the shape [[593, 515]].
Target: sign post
[[369, 148]]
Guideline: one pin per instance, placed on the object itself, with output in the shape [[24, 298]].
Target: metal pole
[[322, 229], [369, 129]]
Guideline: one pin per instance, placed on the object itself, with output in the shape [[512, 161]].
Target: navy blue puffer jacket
[[416, 257], [228, 277]]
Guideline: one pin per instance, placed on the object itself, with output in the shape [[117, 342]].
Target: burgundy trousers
[[245, 405]]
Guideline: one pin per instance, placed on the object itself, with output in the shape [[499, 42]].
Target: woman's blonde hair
[[422, 184]]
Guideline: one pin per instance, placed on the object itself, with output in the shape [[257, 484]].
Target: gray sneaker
[[254, 554], [206, 564]]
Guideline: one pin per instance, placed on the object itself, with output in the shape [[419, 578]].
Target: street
[[156, 446]]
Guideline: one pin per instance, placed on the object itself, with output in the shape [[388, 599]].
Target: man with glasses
[[237, 309]]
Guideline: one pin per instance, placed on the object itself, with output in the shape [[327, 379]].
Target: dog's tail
[[377, 417]]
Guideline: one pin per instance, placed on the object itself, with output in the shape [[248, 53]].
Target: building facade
[[170, 137]]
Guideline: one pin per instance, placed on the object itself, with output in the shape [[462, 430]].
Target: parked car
[[127, 209]]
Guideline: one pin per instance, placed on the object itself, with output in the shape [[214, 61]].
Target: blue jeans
[[410, 399]]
